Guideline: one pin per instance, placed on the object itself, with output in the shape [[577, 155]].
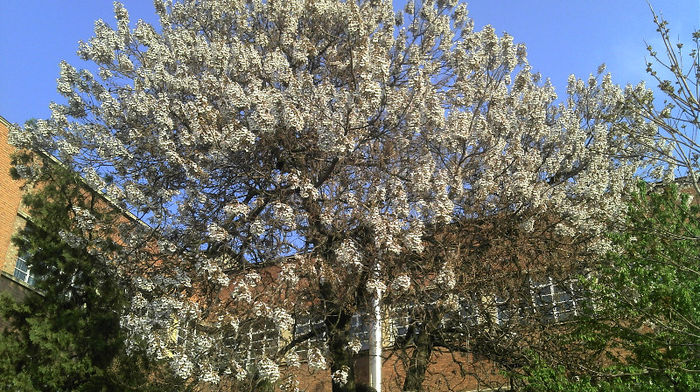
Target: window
[[469, 313], [401, 321], [504, 312], [256, 341], [359, 330], [558, 301], [305, 325], [22, 270]]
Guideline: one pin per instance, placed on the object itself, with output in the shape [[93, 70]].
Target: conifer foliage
[[65, 335]]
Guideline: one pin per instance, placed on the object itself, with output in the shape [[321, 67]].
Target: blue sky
[[562, 36]]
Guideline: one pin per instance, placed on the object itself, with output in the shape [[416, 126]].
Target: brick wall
[[447, 372], [10, 197], [15, 289]]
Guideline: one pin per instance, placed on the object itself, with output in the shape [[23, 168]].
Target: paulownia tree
[[326, 139]]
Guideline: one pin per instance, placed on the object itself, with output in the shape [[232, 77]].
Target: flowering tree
[[328, 140]]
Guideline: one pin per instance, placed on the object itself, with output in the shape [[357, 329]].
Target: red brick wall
[[447, 372], [10, 197]]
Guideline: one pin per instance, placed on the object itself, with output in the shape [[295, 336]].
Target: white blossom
[[528, 225], [446, 278], [71, 239], [292, 359], [240, 373], [341, 376], [84, 218], [288, 274], [374, 285], [401, 283], [354, 345], [316, 359], [451, 302], [268, 369], [235, 209], [257, 228], [210, 376], [348, 255], [182, 365], [283, 320]]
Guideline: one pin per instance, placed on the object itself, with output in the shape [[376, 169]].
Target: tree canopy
[[331, 139]]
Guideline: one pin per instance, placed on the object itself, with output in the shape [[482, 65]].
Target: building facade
[[15, 276]]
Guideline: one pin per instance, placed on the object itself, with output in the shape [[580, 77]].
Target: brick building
[[447, 370], [15, 276]]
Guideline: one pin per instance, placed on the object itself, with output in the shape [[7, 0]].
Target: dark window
[[22, 270]]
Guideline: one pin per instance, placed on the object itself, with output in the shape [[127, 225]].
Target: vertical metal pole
[[375, 338]]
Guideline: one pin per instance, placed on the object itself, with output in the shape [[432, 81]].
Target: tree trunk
[[418, 365], [337, 323], [342, 360], [423, 343]]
